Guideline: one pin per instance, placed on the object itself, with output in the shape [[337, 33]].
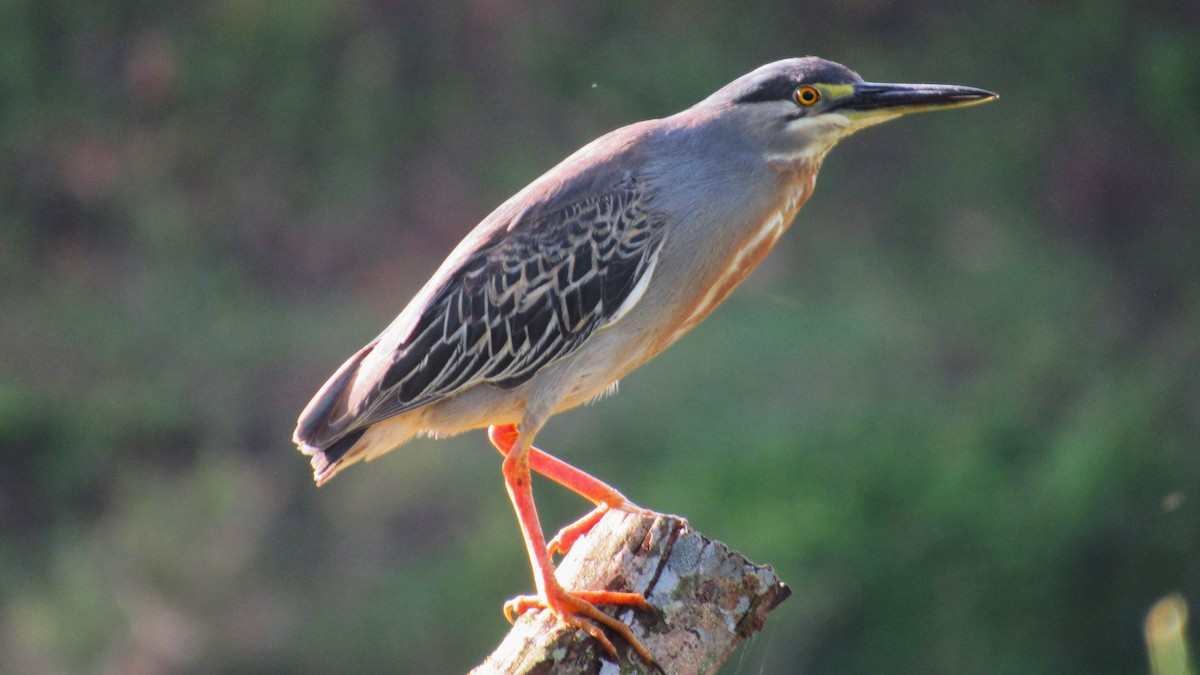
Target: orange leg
[[575, 608], [604, 496]]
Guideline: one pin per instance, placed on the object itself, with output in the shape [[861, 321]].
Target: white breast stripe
[[770, 232]]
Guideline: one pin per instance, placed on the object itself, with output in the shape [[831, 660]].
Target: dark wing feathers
[[529, 296]]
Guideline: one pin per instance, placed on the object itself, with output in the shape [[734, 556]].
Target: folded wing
[[527, 295]]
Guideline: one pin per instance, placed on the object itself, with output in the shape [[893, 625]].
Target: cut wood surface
[[706, 599]]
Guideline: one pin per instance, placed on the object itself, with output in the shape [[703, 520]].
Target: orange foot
[[567, 536], [578, 609]]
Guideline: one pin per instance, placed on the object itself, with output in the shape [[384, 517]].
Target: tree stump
[[706, 599]]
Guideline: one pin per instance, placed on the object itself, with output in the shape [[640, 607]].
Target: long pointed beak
[[872, 98]]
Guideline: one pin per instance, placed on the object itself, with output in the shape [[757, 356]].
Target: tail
[[326, 429], [328, 461]]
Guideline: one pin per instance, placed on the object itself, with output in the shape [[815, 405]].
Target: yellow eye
[[807, 95]]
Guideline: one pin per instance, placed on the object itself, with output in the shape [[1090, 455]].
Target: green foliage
[[958, 408]]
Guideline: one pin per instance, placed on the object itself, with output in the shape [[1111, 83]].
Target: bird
[[585, 274]]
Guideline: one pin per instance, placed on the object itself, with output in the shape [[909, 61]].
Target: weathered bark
[[706, 600]]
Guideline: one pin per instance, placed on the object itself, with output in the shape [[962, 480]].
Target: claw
[[518, 606]]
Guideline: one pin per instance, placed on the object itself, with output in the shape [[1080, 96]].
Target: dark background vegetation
[[958, 408]]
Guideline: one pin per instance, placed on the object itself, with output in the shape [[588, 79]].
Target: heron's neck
[[797, 176]]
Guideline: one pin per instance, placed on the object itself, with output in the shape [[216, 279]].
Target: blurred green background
[[958, 408]]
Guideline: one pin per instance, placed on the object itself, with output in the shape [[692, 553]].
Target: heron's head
[[797, 109]]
